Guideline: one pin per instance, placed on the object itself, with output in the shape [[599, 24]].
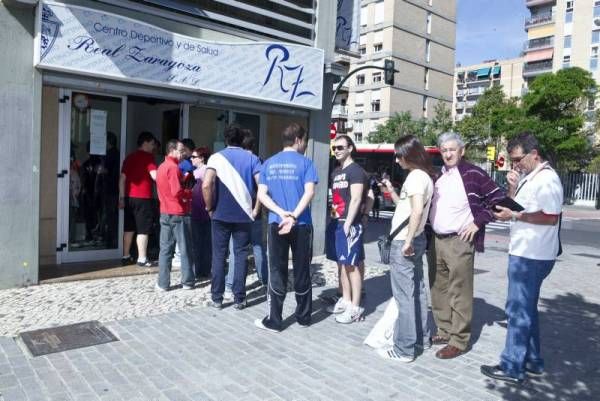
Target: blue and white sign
[[347, 30], [96, 43]]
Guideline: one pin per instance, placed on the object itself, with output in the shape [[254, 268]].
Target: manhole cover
[[63, 338]]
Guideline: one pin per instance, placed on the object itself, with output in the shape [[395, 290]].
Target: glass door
[[92, 131]]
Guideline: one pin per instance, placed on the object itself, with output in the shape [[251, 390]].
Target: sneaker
[[147, 263], [159, 288], [215, 304], [392, 355], [339, 307], [240, 305], [187, 287], [261, 325], [351, 314], [531, 371], [228, 295], [127, 260]]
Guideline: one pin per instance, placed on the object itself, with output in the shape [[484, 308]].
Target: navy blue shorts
[[348, 250]]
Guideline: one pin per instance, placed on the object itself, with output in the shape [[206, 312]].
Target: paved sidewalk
[[173, 348]]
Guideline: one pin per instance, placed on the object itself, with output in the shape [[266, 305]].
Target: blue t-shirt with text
[[285, 174]]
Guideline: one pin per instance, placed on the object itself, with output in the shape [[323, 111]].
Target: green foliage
[[403, 124], [594, 166], [552, 110]]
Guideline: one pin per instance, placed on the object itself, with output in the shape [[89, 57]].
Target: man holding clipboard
[[534, 246]]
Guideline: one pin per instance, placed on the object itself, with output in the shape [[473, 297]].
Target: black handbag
[[384, 243]]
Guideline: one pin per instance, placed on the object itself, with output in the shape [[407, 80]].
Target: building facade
[[562, 34], [419, 36], [81, 79], [471, 81]]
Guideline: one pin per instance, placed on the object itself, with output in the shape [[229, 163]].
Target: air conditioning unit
[[597, 21]]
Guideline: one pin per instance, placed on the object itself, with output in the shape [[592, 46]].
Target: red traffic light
[[332, 131]]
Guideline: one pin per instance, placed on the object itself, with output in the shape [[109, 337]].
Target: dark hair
[[203, 152], [414, 154], [349, 141], [234, 135], [527, 141], [188, 143], [144, 137], [249, 140], [291, 132], [172, 145]]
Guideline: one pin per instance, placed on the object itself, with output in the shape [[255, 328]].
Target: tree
[[403, 124]]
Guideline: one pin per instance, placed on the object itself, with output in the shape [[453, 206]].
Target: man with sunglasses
[[534, 246], [344, 236]]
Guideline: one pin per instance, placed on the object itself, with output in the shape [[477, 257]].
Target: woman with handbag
[[408, 244]]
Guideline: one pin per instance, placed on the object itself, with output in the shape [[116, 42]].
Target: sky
[[489, 29]]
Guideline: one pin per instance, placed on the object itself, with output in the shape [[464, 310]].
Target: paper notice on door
[[98, 132]]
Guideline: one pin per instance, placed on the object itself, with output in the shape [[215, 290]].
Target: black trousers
[[299, 239]]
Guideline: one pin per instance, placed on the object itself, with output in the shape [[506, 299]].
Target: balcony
[[535, 68], [460, 105], [532, 3], [539, 44], [540, 19], [339, 111]]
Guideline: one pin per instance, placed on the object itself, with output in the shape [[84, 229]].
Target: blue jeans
[[175, 229], [525, 277], [202, 248], [222, 233], [259, 252], [408, 287]]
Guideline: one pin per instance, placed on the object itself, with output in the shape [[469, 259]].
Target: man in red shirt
[[175, 220], [135, 196]]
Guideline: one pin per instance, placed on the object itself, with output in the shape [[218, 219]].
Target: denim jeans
[[202, 247], [408, 287], [300, 241], [222, 233], [525, 277], [259, 252], [175, 229]]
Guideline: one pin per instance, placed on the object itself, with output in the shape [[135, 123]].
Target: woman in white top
[[411, 331]]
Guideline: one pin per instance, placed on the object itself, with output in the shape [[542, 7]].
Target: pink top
[[450, 210]]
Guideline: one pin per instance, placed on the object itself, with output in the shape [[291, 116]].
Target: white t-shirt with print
[[538, 192], [417, 182]]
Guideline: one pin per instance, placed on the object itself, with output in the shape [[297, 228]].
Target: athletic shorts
[[139, 215], [348, 250]]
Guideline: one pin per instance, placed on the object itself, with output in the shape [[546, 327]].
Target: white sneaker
[[393, 355], [187, 287], [339, 307], [159, 288], [351, 314], [259, 323], [228, 295]]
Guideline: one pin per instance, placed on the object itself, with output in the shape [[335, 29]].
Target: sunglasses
[[338, 147], [194, 157]]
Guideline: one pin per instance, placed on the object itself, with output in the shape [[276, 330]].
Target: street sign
[[332, 131], [500, 162], [491, 153]]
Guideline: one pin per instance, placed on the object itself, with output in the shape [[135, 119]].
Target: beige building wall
[[419, 35]]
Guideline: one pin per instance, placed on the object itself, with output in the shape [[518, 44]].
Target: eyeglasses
[[515, 160], [338, 147], [194, 157]]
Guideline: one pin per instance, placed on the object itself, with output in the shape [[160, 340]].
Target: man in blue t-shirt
[[229, 193], [286, 187]]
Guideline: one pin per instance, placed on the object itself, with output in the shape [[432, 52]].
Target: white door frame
[[64, 144]]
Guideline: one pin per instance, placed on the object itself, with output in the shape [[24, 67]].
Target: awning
[[545, 54], [496, 70], [483, 72]]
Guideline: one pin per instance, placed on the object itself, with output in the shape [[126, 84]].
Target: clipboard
[[511, 204]]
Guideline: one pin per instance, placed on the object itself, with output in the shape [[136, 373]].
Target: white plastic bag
[[382, 334]]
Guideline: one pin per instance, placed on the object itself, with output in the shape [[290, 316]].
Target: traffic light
[[491, 153], [389, 72]]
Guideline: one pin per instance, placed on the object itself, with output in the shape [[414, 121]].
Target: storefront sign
[[347, 29], [96, 43], [98, 132]]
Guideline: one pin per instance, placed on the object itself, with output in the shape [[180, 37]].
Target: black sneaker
[[496, 373], [127, 260], [239, 305], [147, 263]]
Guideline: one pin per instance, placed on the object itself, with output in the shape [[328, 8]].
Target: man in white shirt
[[534, 246]]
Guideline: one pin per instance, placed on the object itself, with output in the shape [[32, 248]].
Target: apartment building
[[419, 35], [562, 34], [473, 80]]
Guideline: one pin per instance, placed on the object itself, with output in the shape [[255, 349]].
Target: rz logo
[[278, 55]]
